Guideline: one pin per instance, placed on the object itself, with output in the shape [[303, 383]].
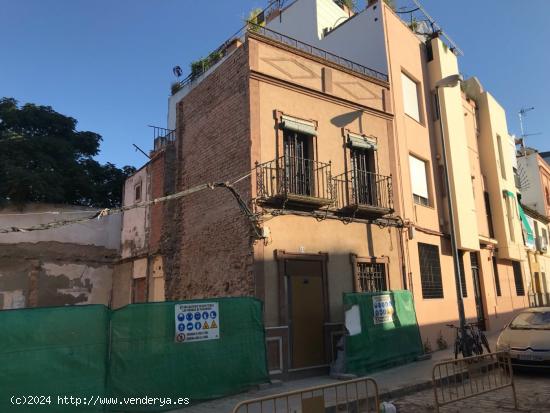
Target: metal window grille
[[371, 277], [430, 271], [518, 278]]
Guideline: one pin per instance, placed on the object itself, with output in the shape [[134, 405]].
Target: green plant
[[253, 22], [413, 25], [44, 158], [198, 67], [175, 87]]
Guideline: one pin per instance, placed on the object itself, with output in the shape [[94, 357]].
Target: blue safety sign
[[200, 321]]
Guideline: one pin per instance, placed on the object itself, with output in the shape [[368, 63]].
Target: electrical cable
[[111, 211]]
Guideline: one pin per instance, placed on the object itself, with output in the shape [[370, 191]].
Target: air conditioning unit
[[542, 244]]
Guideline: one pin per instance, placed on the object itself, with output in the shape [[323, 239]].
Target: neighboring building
[[506, 271], [539, 257], [545, 156], [535, 181], [139, 274], [71, 264]]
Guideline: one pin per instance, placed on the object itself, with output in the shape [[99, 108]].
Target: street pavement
[[410, 387], [532, 389]]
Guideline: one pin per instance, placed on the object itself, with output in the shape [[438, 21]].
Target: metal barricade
[[464, 378], [352, 396]]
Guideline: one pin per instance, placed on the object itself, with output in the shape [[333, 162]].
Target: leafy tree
[[43, 158]]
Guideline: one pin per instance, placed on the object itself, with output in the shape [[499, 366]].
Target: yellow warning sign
[[205, 326], [213, 325]]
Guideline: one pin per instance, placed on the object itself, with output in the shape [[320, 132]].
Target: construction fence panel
[[47, 354], [460, 379], [389, 333], [352, 396], [147, 361]]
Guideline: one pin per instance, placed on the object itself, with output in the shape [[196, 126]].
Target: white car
[[527, 338]]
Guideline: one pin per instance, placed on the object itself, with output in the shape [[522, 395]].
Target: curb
[[405, 391]]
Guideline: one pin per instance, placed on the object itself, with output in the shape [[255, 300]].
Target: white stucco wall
[[104, 232], [532, 193], [135, 221], [359, 39], [299, 20]]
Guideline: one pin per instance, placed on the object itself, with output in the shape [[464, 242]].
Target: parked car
[[527, 338]]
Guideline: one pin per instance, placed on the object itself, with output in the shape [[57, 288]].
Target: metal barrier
[[463, 378], [352, 396]]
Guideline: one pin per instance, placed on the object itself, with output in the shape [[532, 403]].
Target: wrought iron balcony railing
[[293, 180], [162, 137], [364, 193]]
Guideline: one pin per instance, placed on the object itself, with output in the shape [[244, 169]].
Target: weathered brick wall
[[213, 255]]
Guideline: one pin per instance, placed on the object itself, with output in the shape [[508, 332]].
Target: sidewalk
[[393, 383]]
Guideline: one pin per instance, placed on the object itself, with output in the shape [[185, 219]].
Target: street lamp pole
[[451, 81]]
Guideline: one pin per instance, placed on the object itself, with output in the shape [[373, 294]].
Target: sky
[[109, 63]]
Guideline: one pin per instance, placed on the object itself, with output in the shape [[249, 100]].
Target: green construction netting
[[53, 352], [147, 361], [381, 344], [89, 351], [525, 221]]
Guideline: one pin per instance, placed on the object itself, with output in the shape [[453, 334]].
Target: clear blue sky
[[108, 63]]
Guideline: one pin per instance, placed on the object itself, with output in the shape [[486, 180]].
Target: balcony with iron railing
[[162, 137], [295, 181], [363, 194]]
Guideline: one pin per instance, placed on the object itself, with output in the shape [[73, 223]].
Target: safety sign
[[383, 309], [197, 322]]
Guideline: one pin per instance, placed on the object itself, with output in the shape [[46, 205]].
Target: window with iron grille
[[518, 278], [370, 276], [430, 271], [298, 162]]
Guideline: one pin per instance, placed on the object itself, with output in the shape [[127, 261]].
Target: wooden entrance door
[[307, 306]]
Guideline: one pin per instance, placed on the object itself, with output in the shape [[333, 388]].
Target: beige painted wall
[[335, 100], [296, 234], [492, 123], [443, 64]]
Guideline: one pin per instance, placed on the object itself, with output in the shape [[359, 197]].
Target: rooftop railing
[[315, 51], [218, 54], [162, 137]]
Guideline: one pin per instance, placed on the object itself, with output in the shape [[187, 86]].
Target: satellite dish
[[177, 71]]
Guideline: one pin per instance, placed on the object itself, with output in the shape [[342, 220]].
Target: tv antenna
[[522, 112], [437, 28]]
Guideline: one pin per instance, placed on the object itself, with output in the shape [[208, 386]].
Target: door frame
[[284, 297]]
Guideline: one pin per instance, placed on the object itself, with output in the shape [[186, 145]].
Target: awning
[[298, 125], [530, 240], [361, 141]]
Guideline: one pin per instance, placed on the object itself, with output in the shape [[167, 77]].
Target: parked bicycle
[[470, 341]]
